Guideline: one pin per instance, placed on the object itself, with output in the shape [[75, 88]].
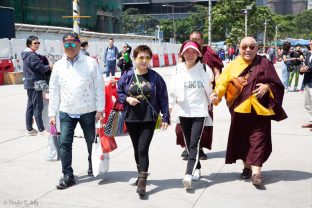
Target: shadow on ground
[[270, 177]]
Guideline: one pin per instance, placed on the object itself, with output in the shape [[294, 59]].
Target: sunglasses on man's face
[[72, 45], [251, 47], [36, 43]]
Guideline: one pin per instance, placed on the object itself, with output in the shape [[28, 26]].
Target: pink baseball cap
[[193, 45]]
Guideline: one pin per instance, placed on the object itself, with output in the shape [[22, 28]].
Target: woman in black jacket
[[33, 70]]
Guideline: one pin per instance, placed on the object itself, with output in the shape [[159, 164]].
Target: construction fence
[[165, 54]]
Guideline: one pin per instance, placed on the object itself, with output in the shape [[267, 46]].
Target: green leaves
[[228, 23]]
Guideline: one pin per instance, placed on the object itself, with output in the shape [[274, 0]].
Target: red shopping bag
[[108, 143]]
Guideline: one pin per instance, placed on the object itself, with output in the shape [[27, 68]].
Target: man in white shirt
[[76, 91]]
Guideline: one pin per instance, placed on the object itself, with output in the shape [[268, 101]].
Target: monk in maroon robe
[[251, 113]]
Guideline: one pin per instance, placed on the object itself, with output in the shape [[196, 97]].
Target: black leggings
[[192, 129], [141, 134]]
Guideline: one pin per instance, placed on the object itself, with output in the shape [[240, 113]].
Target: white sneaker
[[196, 175], [44, 133], [32, 132], [187, 181]]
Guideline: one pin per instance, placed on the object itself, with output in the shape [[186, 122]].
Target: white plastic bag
[[100, 160], [53, 153]]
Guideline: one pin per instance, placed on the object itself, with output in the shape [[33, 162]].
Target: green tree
[[166, 27], [257, 20], [228, 20], [135, 22], [303, 25], [183, 27]]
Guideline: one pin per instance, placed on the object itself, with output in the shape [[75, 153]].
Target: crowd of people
[[249, 83]]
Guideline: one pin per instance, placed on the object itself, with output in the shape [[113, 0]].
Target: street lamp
[[275, 38], [173, 23], [159, 35], [245, 12], [209, 23], [264, 35]]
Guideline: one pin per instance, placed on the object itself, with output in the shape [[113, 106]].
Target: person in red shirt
[[231, 52]]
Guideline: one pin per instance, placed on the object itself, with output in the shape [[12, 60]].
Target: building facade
[[104, 15], [309, 4], [176, 9], [261, 2], [288, 7]]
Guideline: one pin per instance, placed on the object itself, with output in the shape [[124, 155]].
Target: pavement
[[27, 179]]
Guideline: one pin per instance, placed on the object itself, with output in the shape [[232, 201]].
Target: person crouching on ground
[[144, 94], [190, 88]]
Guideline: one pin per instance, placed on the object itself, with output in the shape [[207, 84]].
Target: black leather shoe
[[202, 155], [246, 174], [66, 183], [184, 154], [90, 172]]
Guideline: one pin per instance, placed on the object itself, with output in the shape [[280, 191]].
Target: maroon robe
[[211, 58], [250, 134], [213, 61]]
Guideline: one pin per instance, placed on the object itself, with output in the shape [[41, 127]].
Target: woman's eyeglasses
[[72, 45], [251, 47], [36, 43], [141, 58]]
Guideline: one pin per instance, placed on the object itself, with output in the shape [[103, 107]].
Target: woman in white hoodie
[[190, 88]]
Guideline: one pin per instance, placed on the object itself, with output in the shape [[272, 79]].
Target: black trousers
[[192, 129], [141, 134], [34, 108]]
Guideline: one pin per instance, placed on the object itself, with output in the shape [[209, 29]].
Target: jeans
[[34, 108], [192, 129], [285, 75], [68, 125], [110, 68], [141, 134]]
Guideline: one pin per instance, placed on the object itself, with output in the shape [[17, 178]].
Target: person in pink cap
[[190, 88]]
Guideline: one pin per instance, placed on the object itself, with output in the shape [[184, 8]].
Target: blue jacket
[[33, 68], [159, 92]]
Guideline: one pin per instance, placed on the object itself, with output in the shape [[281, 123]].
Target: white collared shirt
[[76, 88]]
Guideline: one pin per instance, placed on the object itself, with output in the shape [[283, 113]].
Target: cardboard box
[[13, 78]]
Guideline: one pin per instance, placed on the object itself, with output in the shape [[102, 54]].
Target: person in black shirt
[[144, 95], [296, 62], [124, 60], [286, 64]]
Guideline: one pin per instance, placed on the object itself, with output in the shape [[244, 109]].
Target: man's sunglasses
[[72, 45], [251, 47]]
